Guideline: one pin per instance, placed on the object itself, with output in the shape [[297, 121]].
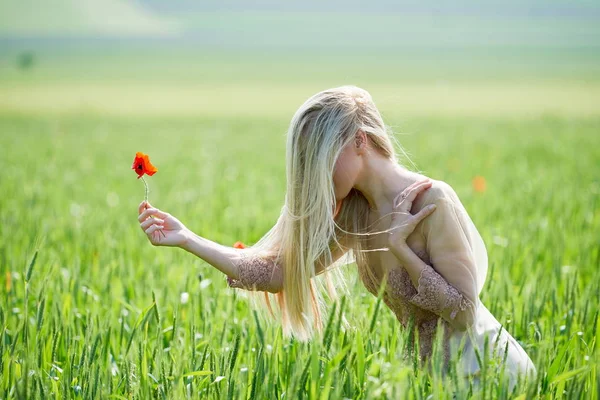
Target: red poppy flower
[[239, 245], [479, 184], [142, 165]]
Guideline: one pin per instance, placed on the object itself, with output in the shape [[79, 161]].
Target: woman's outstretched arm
[[243, 271], [261, 273], [230, 261], [163, 229]]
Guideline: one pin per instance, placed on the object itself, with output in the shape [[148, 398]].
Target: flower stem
[[146, 186], [146, 198]]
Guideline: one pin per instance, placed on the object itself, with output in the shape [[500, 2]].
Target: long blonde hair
[[307, 227]]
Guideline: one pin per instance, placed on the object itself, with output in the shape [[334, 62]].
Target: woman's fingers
[[147, 223], [425, 211], [152, 229], [152, 211], [142, 206], [410, 188], [407, 189], [410, 193]]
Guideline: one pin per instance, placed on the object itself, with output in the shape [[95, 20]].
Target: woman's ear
[[360, 140]]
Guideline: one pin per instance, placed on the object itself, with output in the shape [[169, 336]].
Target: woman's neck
[[381, 180]]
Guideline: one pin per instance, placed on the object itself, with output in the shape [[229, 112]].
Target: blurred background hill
[[455, 57], [310, 24]]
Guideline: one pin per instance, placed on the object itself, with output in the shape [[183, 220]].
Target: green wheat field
[[90, 309]]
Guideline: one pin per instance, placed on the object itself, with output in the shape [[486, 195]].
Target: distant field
[[217, 84], [80, 322]]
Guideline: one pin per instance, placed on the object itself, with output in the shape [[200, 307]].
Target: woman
[[409, 235]]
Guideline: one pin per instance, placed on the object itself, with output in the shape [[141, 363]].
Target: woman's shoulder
[[438, 191], [445, 197]]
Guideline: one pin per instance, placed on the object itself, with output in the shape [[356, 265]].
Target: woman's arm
[[252, 273], [219, 256], [434, 293], [245, 271], [260, 273], [242, 270], [163, 229], [448, 287]]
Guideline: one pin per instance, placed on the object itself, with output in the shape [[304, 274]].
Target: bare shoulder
[[438, 190], [442, 193], [442, 189]]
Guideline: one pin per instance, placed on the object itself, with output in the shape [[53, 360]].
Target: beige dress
[[448, 291]]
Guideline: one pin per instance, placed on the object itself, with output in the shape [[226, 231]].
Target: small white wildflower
[[185, 296], [205, 283], [500, 241]]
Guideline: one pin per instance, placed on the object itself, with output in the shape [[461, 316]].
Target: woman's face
[[346, 170]]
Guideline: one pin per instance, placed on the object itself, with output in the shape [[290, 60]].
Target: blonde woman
[[349, 200]]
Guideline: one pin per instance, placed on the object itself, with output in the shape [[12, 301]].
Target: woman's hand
[[403, 222], [162, 228]]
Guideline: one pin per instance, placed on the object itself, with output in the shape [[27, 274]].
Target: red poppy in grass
[[239, 245], [142, 165], [479, 184]]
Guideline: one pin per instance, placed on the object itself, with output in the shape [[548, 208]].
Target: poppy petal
[[142, 165]]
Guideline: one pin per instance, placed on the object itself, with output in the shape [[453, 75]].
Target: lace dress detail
[[436, 295], [397, 296], [256, 273]]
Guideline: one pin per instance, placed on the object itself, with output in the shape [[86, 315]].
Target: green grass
[[90, 309]]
